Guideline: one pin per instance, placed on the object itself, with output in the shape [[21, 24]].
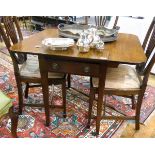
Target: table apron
[[71, 67]]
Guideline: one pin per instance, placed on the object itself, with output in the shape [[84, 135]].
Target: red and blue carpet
[[31, 123]]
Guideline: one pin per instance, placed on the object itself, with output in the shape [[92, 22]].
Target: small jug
[[95, 38], [84, 41]]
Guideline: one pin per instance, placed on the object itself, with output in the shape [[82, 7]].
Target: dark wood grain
[[127, 49]]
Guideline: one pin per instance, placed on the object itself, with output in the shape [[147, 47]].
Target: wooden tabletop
[[126, 49]]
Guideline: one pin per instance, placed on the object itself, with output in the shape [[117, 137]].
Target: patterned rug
[[121, 104], [31, 123]]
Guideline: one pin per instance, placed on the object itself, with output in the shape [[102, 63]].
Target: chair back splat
[[150, 61], [148, 46], [101, 21], [11, 34]]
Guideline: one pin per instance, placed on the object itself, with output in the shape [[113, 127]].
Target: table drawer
[[74, 68]]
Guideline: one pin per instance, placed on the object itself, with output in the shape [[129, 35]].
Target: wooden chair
[[140, 67], [6, 108], [26, 70], [127, 82], [101, 21], [1, 40]]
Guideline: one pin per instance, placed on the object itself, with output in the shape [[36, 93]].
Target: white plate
[[58, 42]]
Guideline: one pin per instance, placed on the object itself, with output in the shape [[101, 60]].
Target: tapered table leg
[[102, 77], [69, 80], [46, 102], [45, 90]]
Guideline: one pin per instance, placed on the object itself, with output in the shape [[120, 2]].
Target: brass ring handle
[[55, 66], [87, 69]]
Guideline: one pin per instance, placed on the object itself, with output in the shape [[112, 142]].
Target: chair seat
[[5, 104], [31, 69], [123, 77]]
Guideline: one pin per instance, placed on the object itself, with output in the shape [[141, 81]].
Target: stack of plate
[[58, 43]]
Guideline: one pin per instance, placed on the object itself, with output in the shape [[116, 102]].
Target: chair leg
[[69, 80], [91, 99], [104, 104], [133, 102], [46, 102], [138, 108], [1, 40], [26, 90], [20, 95], [64, 98], [14, 122]]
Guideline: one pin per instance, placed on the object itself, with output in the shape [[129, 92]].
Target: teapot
[[84, 41], [96, 38]]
